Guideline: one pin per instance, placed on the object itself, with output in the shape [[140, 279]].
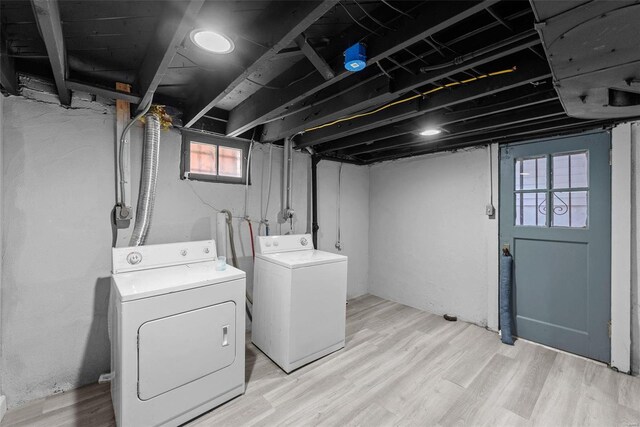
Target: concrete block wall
[[415, 231], [431, 245], [58, 181]]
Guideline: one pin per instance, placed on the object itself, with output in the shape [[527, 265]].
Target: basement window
[[552, 190], [214, 158]]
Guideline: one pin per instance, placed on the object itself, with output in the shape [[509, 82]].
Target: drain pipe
[[148, 180], [314, 199], [286, 213]]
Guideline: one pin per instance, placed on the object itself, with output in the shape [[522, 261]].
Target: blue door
[[555, 217]]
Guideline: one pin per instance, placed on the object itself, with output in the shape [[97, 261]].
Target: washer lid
[[303, 258], [158, 281]]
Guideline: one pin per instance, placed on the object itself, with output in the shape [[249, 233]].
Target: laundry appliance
[[299, 300], [177, 328]]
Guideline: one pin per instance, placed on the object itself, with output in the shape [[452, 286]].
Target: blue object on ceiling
[[355, 57]]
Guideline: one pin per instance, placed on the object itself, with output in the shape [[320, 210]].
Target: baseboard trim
[[3, 406]]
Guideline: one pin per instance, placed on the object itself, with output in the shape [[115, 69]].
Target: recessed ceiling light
[[430, 132], [212, 41]]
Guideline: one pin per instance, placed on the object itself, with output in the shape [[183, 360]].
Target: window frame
[[550, 190], [189, 136]]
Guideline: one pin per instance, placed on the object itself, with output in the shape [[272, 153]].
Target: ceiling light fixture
[[211, 41], [430, 132]]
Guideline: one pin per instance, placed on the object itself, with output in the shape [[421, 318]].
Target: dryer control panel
[[154, 256], [287, 243]]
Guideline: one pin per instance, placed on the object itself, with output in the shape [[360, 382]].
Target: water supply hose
[[253, 248]]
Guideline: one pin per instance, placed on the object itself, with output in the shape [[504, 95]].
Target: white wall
[[59, 180], [431, 245], [635, 244], [354, 219], [3, 403]]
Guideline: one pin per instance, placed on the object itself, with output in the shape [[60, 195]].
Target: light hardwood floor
[[401, 366]]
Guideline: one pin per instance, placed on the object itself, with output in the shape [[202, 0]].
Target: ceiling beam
[[475, 126], [527, 72], [47, 16], [173, 25], [266, 105], [379, 91], [542, 129], [8, 77], [318, 61], [103, 91], [290, 22], [506, 101]]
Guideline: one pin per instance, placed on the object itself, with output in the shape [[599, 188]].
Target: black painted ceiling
[[476, 70]]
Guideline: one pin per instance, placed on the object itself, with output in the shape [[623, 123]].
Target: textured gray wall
[[635, 244], [431, 245], [1, 240], [58, 188], [354, 219], [59, 179]]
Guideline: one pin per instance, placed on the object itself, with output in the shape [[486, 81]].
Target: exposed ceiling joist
[[379, 92], [334, 136], [8, 78], [318, 61], [442, 118], [47, 16], [174, 24], [295, 19], [475, 126], [545, 128], [267, 105], [103, 91]]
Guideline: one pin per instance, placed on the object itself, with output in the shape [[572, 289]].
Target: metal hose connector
[[148, 180]]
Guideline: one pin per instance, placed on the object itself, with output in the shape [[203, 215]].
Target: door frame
[[621, 157]]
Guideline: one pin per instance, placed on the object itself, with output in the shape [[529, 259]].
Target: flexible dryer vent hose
[[148, 180]]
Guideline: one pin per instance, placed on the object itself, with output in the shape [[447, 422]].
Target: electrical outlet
[[490, 210]]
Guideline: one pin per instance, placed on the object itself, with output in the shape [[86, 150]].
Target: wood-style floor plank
[[400, 367]]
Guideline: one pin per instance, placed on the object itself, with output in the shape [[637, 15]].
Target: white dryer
[[177, 330], [299, 300]]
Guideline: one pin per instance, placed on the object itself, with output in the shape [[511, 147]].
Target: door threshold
[[597, 362]]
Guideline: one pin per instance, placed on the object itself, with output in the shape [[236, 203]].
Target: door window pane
[[230, 162], [570, 209], [202, 159], [531, 209], [531, 174], [570, 170]]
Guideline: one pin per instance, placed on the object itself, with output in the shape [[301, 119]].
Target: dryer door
[[182, 348]]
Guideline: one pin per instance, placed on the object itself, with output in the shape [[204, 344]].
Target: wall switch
[[490, 210]]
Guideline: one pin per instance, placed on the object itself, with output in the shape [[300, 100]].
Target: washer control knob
[[183, 252], [134, 258], [304, 241], [206, 250], [268, 244], [275, 243]]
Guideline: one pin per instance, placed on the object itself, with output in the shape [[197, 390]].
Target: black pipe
[[314, 199]]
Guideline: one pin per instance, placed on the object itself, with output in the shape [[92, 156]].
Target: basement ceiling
[[475, 70]]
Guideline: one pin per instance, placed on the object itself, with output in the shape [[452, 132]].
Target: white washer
[[299, 300], [177, 333]]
